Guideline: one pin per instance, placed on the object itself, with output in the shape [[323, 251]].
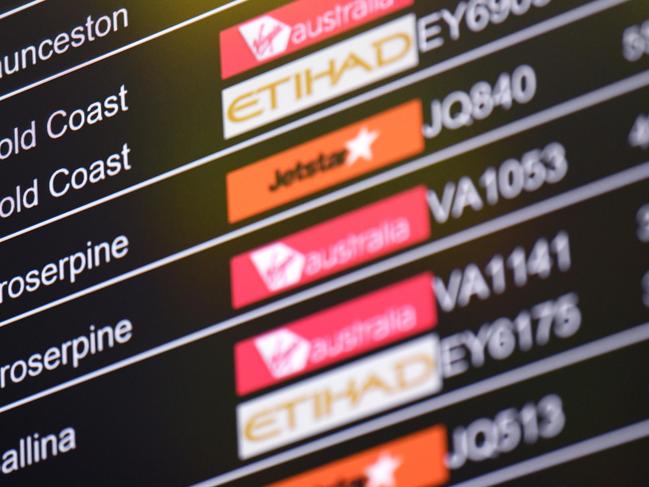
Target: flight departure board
[[324, 243]]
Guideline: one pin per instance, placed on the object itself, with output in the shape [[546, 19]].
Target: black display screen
[[327, 243]]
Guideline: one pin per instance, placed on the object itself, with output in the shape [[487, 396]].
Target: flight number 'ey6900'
[[460, 109], [473, 15]]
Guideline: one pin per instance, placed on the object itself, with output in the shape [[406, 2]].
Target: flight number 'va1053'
[[508, 181]]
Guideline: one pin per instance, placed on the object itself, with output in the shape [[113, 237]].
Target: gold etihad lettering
[[405, 374], [304, 83]]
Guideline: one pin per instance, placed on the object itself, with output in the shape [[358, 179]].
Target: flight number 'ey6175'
[[555, 319]]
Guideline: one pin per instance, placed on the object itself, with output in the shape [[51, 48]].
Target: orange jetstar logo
[[339, 156], [416, 460]]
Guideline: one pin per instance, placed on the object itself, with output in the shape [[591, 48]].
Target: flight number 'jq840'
[[461, 109]]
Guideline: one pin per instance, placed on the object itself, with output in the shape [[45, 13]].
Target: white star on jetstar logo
[[361, 145], [381, 472]]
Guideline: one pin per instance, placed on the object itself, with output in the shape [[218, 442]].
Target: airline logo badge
[[375, 142], [371, 385], [295, 26], [278, 265], [283, 352], [266, 37], [341, 332], [323, 75], [414, 460], [343, 242]]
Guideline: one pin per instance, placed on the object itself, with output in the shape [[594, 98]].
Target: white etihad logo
[[351, 392], [266, 37], [284, 352], [278, 265]]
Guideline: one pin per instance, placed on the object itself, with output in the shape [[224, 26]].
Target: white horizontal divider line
[[122, 49], [572, 197], [563, 455], [582, 353], [490, 48], [598, 96], [8, 13]]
